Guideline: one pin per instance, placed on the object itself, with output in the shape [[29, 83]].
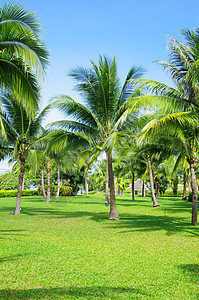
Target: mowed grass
[[70, 250]]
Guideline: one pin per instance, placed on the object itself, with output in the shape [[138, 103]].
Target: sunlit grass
[[69, 250]]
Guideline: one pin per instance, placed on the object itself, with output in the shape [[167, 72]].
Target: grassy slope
[[74, 252]]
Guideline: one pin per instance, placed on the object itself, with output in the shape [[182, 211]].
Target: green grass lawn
[[69, 250]]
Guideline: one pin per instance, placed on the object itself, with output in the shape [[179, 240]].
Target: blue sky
[[134, 31]]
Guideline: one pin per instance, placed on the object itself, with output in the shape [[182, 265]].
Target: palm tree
[[178, 107], [23, 133], [101, 120], [22, 53]]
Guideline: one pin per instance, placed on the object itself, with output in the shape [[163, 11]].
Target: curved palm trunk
[[86, 184], [113, 209], [21, 178], [184, 197], [133, 187], [42, 184], [155, 202], [143, 194], [194, 195], [58, 183], [48, 182], [106, 184]]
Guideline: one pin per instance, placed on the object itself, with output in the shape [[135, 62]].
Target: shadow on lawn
[[13, 257], [10, 232], [130, 221], [95, 292], [146, 223], [192, 271]]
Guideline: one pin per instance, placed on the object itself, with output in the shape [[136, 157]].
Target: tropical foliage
[[103, 120], [140, 129]]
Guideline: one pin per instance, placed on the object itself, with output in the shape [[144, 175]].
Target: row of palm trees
[[113, 118]]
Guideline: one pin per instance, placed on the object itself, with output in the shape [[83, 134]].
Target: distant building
[[138, 186], [5, 166]]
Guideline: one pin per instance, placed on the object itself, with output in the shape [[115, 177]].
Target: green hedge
[[91, 192], [64, 190], [13, 193], [167, 194]]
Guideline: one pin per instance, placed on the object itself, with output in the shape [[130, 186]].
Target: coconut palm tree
[[178, 107], [23, 134], [101, 120], [22, 53]]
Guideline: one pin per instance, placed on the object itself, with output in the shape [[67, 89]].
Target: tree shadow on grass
[[91, 292], [59, 214], [10, 232], [192, 271], [145, 223], [12, 257], [131, 222]]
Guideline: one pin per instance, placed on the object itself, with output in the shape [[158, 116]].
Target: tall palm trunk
[[86, 183], [42, 184], [184, 197], [107, 180], [113, 209], [58, 183], [21, 177], [48, 182], [133, 187], [189, 182], [118, 188], [23, 183], [155, 202], [81, 189], [194, 195], [143, 194]]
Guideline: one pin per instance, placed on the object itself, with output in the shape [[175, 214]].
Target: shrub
[[64, 190], [13, 193], [91, 192], [170, 194], [167, 194]]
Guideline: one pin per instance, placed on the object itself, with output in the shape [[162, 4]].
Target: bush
[[170, 194], [13, 193], [167, 194], [91, 192], [64, 190]]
